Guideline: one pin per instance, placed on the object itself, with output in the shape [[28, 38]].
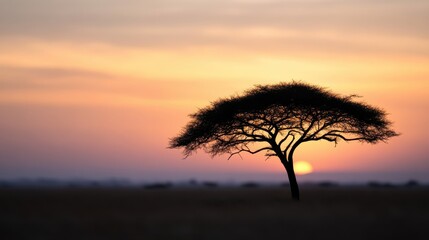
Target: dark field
[[235, 213]]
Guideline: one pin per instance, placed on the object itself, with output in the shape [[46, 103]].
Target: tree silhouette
[[276, 119]]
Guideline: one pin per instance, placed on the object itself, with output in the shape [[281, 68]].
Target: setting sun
[[302, 168]]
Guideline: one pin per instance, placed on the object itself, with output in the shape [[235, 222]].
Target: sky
[[95, 89]]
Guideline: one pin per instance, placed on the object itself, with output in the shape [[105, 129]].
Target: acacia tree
[[276, 119]]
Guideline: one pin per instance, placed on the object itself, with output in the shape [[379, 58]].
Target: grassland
[[220, 213]]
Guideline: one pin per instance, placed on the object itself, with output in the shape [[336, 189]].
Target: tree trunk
[[292, 181]]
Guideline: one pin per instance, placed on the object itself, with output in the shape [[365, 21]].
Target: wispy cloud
[[324, 25]]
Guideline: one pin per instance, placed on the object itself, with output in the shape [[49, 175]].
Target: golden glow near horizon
[[146, 65], [302, 168]]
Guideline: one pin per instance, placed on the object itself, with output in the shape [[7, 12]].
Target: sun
[[302, 168]]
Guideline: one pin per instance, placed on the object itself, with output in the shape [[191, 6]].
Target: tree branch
[[247, 149], [288, 146]]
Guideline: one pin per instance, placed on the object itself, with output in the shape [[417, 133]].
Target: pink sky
[[96, 91]]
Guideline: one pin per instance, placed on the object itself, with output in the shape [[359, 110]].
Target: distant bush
[[158, 186], [376, 184], [412, 183], [250, 185], [193, 182], [328, 184], [210, 184]]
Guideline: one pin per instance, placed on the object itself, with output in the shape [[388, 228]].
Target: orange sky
[[94, 90]]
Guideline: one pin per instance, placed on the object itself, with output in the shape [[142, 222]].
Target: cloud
[[13, 77], [77, 87], [283, 25]]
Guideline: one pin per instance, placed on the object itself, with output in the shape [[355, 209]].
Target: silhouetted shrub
[[193, 182], [210, 184], [328, 184], [158, 186], [250, 185], [376, 184], [412, 183]]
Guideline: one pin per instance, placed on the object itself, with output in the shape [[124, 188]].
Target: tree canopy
[[292, 111], [276, 119]]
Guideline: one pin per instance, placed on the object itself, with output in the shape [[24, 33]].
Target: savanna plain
[[339, 212]]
